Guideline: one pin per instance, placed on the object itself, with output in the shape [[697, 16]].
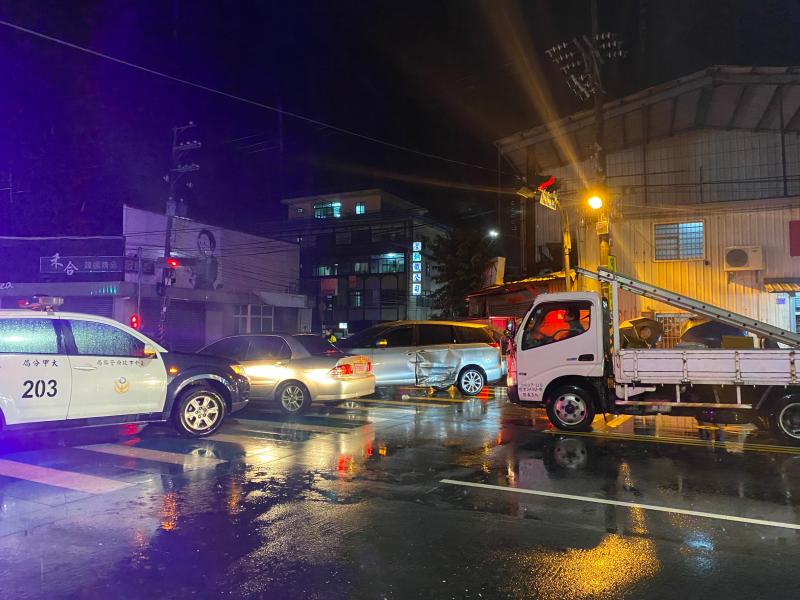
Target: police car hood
[[194, 359]]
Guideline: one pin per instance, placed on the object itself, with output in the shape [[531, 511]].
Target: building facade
[[364, 257], [226, 282], [703, 190]]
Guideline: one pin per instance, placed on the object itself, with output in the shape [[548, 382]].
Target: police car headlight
[[239, 370]]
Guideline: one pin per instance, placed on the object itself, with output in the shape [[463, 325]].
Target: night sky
[[82, 135]]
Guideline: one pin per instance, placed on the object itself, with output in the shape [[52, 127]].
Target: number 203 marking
[[40, 388]]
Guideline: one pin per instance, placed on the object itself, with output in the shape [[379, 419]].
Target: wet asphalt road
[[349, 502]]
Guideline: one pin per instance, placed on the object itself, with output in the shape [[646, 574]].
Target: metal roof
[[510, 286], [720, 97]]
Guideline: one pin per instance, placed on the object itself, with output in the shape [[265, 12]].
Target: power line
[[242, 99]]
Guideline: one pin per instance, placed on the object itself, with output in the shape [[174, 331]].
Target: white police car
[[70, 369]]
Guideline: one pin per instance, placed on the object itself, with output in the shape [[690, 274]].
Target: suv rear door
[[35, 378]]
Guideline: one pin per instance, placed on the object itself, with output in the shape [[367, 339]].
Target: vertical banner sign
[[416, 269]]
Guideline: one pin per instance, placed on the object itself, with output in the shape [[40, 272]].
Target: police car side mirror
[[149, 351]]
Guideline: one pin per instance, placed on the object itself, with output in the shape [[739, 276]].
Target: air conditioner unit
[[744, 258]]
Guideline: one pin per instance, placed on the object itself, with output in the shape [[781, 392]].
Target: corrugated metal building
[[695, 167]]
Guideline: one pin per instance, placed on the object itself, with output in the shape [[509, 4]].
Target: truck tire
[[199, 411], [571, 408], [784, 418]]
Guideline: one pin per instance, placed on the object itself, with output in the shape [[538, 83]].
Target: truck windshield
[[553, 322]]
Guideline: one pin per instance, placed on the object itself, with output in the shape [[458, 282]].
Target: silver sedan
[[296, 369]]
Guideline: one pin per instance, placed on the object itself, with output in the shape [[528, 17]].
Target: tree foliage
[[463, 256]]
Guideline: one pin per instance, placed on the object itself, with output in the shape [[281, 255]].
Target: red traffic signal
[[547, 183], [135, 322], [173, 263]]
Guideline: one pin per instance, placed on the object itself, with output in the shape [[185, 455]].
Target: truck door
[[558, 338]]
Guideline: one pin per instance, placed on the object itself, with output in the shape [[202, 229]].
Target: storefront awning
[[788, 285]]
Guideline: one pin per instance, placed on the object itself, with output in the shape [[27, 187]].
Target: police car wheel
[[199, 412]]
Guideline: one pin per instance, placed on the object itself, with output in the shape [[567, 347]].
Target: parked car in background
[[393, 349], [296, 369]]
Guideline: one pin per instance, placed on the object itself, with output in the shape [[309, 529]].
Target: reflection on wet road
[[403, 495]]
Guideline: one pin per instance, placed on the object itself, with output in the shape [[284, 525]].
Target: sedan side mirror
[[382, 343], [149, 351]]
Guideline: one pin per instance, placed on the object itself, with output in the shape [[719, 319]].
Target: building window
[[361, 267], [388, 263], [356, 299], [361, 208], [679, 241], [253, 318], [299, 209], [325, 270], [328, 210], [343, 237]]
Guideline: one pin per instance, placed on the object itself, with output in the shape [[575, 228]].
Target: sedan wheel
[[293, 397]]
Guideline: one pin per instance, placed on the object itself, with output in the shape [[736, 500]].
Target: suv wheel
[[471, 381], [199, 411]]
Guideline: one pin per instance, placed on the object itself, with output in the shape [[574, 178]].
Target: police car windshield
[[316, 345]]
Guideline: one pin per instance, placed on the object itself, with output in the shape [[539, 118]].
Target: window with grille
[[679, 241], [253, 318], [361, 208]]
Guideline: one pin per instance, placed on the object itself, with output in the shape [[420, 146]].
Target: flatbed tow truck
[[568, 357]]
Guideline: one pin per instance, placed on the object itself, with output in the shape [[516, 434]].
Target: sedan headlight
[[239, 370]]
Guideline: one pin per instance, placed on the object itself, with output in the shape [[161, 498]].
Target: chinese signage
[[548, 199], [70, 265], [416, 269]]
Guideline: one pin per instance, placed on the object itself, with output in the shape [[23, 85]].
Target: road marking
[[297, 426], [400, 403], [666, 509], [90, 484], [679, 441], [618, 421], [188, 461]]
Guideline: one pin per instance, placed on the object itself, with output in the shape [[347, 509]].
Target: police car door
[[111, 375], [34, 370]]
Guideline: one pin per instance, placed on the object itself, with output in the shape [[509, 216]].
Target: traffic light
[[135, 322]]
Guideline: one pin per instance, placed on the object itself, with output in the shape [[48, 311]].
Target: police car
[[71, 369]]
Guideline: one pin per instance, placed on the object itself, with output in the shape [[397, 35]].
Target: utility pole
[[178, 170], [580, 61]]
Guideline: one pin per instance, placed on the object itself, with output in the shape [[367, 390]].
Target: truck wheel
[[293, 397], [199, 411], [785, 419], [571, 408]]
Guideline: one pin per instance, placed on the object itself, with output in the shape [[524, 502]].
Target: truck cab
[[561, 347], [564, 360]]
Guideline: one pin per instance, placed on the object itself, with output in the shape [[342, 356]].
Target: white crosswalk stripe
[[188, 461]]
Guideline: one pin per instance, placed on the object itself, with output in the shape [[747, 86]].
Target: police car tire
[[205, 395]]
